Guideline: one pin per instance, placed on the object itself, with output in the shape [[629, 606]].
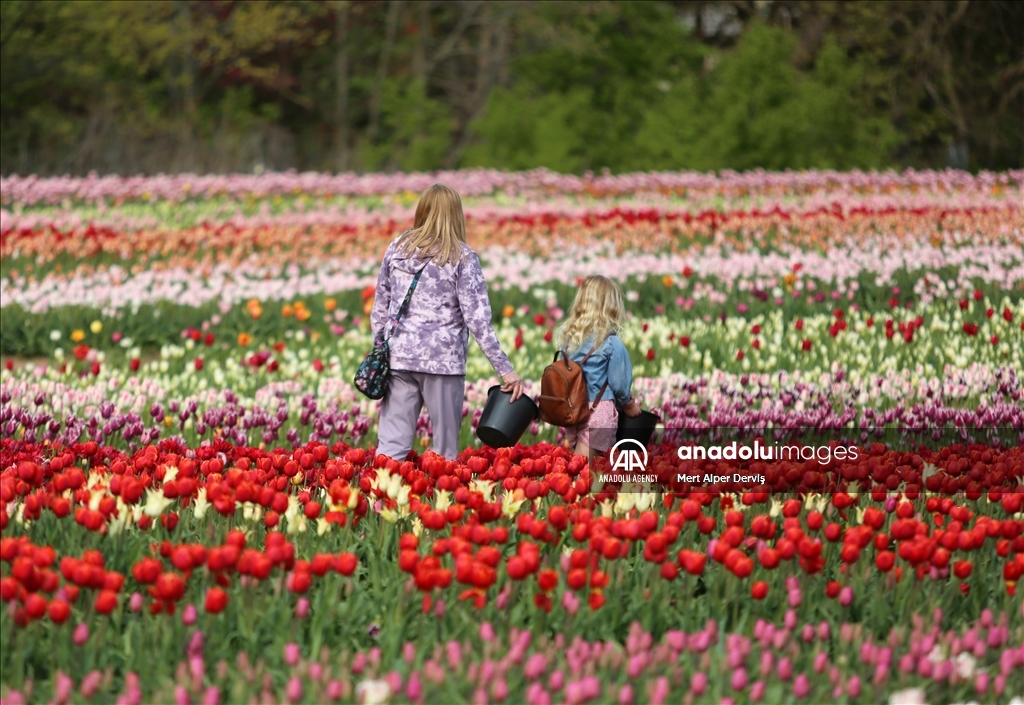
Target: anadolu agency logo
[[628, 463]]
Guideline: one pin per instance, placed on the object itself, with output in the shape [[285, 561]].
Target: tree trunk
[[419, 59], [341, 157], [382, 68]]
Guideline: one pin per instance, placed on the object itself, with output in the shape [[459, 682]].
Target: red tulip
[[216, 600]]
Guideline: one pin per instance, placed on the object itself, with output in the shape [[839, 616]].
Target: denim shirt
[[610, 363]]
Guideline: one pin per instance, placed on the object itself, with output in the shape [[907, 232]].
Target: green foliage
[[169, 86], [417, 130]]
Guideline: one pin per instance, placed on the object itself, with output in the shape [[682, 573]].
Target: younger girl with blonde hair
[[589, 336]]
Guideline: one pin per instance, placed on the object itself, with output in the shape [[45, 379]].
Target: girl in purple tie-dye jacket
[[430, 343]]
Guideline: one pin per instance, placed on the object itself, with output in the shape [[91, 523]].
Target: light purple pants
[[405, 396]]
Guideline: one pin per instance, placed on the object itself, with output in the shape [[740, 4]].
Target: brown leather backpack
[[563, 391]]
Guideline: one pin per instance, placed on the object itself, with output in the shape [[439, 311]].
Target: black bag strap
[[405, 302]]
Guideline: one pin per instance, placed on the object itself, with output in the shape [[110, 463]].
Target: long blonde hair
[[439, 227], [598, 309]]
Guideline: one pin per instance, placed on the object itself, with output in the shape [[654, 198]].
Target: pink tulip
[[757, 691], [625, 695], [293, 690], [189, 615], [738, 681], [63, 688], [196, 669], [180, 695], [785, 669], [292, 653], [824, 631], [981, 683], [499, 689], [535, 666], [358, 663], [81, 634], [846, 596], [795, 597], [195, 645], [334, 690], [394, 681], [439, 609], [556, 680], [90, 684], [853, 687], [301, 608], [801, 686], [211, 696], [790, 620], [661, 690], [820, 662], [409, 652], [536, 695], [316, 671], [570, 603], [906, 664], [487, 632], [698, 683], [135, 602]]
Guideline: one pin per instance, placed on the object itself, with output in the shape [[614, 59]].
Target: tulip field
[[192, 510]]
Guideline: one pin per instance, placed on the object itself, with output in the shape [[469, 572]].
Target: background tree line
[[221, 85]]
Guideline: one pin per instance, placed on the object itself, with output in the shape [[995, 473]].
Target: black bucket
[[502, 424], [638, 428]]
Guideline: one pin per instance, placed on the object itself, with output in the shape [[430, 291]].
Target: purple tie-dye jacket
[[450, 301]]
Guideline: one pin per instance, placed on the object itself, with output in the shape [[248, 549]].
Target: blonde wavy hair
[[439, 227], [598, 309]]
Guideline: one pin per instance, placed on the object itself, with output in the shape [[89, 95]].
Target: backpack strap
[[599, 395], [586, 357]]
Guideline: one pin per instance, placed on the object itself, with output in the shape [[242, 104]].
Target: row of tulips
[[55, 243], [32, 190], [337, 548], [694, 330], [50, 408]]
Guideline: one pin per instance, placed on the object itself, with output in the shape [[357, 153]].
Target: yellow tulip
[[96, 327], [78, 335]]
